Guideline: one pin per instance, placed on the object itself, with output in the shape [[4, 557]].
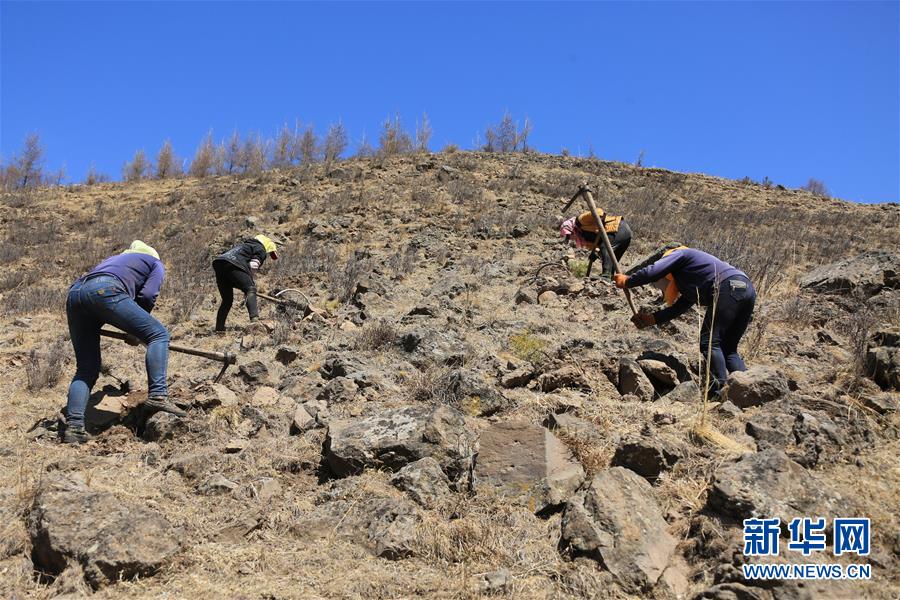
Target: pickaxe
[[226, 358], [589, 199]]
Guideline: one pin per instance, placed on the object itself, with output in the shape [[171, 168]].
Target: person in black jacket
[[236, 269]]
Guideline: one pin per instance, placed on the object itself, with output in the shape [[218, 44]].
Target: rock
[[493, 581], [616, 522], [883, 359], [410, 341], [517, 378], [218, 395], [286, 355], [526, 296], [302, 420], [393, 438], [251, 222], [574, 288], [770, 429], [572, 426], [548, 297], [317, 409], [755, 386], [254, 372], [392, 528], [731, 591], [686, 391], [527, 463], [216, 484], [648, 456], [265, 396], [662, 352], [882, 403], [162, 426], [267, 489], [351, 367], [769, 484], [423, 481], [728, 409], [662, 376], [568, 376], [194, 464], [235, 446], [867, 273], [814, 434], [474, 396], [633, 381], [339, 389], [519, 231], [111, 538]]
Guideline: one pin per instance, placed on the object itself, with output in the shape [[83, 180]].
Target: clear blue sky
[[784, 90]]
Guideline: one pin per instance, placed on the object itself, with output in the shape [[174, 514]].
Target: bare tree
[[204, 160], [523, 135], [364, 149], [254, 155], [335, 142], [30, 164], [284, 148], [231, 155], [817, 187], [393, 139], [423, 134], [507, 134], [138, 168], [490, 140], [309, 146], [167, 164]]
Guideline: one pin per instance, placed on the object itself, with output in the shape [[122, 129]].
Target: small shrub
[[816, 187], [578, 268], [44, 369], [377, 336]]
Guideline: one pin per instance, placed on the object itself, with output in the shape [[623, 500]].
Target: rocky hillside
[[447, 408]]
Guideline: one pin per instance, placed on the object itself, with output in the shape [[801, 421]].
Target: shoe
[[75, 435], [254, 319], [162, 404]]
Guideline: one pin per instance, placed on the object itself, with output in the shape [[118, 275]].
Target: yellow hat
[[269, 245], [139, 247], [587, 222]]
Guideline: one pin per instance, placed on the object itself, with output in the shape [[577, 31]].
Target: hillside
[[389, 434]]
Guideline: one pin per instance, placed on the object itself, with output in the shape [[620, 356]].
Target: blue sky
[[787, 90]]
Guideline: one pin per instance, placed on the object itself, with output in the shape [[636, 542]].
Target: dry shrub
[[342, 278], [34, 299], [402, 262], [45, 368], [379, 335], [432, 384]]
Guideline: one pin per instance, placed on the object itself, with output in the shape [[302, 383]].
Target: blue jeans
[[725, 326], [91, 304]]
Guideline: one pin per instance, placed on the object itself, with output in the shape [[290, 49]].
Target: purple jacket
[[141, 274], [697, 275]]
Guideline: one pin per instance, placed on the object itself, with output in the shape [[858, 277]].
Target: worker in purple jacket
[[120, 291], [687, 277]]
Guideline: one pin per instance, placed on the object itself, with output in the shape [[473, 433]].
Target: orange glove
[[643, 320], [620, 280]]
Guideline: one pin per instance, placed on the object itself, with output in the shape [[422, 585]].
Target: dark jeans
[[229, 277], [620, 240], [91, 304], [725, 324]]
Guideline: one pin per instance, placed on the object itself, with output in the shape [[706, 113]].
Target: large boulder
[[755, 386], [617, 522], [111, 538], [527, 464], [632, 380], [867, 273], [396, 437], [769, 484], [662, 376]]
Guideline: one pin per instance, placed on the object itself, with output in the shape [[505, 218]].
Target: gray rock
[[755, 386], [568, 376], [217, 395], [254, 372], [882, 403], [527, 464], [665, 353], [493, 581], [216, 484], [571, 426], [769, 484], [728, 409], [111, 538], [617, 522], [162, 426], [517, 378], [632, 380], [731, 591], [770, 429], [392, 528], [423, 481], [867, 273], [686, 391], [526, 296], [473, 394], [194, 465], [350, 366], [883, 359], [648, 456], [662, 376], [302, 420], [339, 389], [396, 437]]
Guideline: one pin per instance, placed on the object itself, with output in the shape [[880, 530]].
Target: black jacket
[[241, 255]]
